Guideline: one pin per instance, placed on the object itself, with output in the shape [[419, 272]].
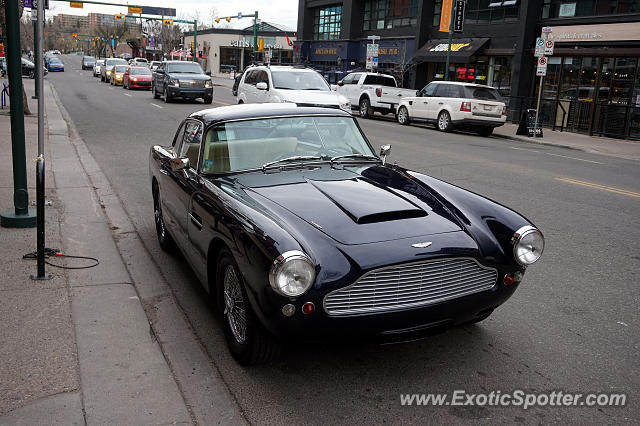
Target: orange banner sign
[[445, 16]]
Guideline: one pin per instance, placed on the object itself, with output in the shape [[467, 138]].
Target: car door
[[354, 89], [158, 78], [250, 86], [168, 185], [263, 95], [420, 104], [438, 100], [346, 84]]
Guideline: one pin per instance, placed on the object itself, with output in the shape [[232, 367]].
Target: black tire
[[252, 344], [208, 100], [365, 108], [166, 241], [485, 131], [444, 122], [403, 116], [154, 92], [165, 94]]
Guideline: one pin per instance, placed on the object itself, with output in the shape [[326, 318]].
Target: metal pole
[[36, 49], [255, 34], [195, 40], [40, 185], [535, 125], [446, 68], [20, 216]]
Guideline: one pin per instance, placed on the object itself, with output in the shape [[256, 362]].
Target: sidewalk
[[77, 349], [620, 148]]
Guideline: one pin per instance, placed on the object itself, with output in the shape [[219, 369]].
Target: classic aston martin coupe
[[297, 228]]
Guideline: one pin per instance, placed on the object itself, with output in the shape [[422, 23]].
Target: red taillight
[[378, 92], [504, 110], [465, 106]]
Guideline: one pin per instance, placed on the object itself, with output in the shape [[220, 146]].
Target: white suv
[[302, 86], [450, 104]]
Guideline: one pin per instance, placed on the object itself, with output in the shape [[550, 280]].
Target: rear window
[[380, 80], [487, 93]]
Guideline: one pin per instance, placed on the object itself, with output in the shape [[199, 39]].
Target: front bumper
[[384, 326], [140, 84], [184, 92]]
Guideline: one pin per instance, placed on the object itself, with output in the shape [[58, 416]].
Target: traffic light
[[167, 21], [260, 44], [217, 20], [120, 16], [193, 44], [228, 18]]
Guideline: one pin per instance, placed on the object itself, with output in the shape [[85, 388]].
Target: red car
[[137, 77]]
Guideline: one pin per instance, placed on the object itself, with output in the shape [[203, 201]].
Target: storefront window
[[569, 84], [230, 59], [622, 81], [502, 75], [327, 23], [380, 14], [485, 11], [552, 80], [565, 9]]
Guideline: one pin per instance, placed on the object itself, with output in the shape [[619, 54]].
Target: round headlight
[[528, 244], [292, 273]]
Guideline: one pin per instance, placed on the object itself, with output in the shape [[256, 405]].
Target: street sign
[[76, 4], [133, 9], [239, 15], [373, 37], [161, 11], [541, 71], [119, 16], [547, 30], [33, 4], [458, 17], [167, 22], [539, 47], [548, 48]]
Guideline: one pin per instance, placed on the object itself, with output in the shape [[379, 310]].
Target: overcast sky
[[277, 11]]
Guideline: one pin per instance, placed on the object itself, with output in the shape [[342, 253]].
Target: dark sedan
[[297, 229], [88, 62], [182, 79]]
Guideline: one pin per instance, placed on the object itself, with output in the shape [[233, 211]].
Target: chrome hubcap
[[444, 121], [403, 115], [234, 306], [363, 108]]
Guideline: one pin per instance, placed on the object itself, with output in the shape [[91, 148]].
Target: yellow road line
[[601, 187]]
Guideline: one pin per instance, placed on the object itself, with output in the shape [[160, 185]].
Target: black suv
[[182, 79]]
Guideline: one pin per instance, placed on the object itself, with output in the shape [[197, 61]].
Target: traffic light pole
[[195, 41], [20, 216], [446, 67], [255, 32]]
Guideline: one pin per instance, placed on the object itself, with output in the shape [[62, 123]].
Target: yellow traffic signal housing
[[228, 18], [167, 21], [217, 20], [193, 44], [260, 44], [120, 16]]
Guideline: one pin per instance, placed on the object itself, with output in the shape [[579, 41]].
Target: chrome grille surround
[[411, 285], [192, 83]]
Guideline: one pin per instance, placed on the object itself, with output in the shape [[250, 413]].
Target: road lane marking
[[157, 106], [127, 94], [222, 103], [556, 155], [601, 187]]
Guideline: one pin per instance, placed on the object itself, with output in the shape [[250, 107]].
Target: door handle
[[425, 102], [399, 94], [195, 219], [440, 103]]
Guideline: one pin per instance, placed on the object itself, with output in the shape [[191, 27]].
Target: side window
[[428, 90], [348, 79], [251, 77], [190, 147], [356, 78], [262, 77], [178, 138], [444, 91]]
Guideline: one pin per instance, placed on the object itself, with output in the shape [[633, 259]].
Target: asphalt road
[[571, 326]]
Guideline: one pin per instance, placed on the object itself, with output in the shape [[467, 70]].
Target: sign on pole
[[548, 48], [541, 71], [458, 17], [445, 16], [239, 15], [547, 30], [133, 9], [539, 47], [372, 55], [76, 4]]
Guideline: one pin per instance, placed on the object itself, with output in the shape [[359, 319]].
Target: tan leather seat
[[193, 150], [244, 154]]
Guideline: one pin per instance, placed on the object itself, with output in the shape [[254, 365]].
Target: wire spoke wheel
[[234, 305], [157, 213]]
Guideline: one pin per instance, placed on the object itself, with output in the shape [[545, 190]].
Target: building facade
[[227, 49], [593, 81]]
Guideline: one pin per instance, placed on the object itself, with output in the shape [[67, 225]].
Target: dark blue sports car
[[298, 229], [55, 64]]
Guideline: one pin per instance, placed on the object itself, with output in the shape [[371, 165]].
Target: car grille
[[317, 105], [196, 84], [411, 285]]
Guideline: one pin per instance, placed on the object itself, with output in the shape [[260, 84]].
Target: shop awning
[[461, 50]]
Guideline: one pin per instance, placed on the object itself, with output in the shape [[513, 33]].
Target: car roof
[[462, 83], [269, 110], [280, 68]]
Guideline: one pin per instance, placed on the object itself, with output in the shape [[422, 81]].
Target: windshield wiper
[[355, 156], [291, 159]]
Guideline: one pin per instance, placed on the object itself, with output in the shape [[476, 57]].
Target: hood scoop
[[367, 203]]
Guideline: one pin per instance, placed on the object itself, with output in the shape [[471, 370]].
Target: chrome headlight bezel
[[174, 82], [278, 267], [208, 84], [516, 241], [345, 106]]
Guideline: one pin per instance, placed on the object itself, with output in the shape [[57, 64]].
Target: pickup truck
[[370, 92]]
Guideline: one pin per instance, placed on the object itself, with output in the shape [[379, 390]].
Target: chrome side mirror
[[179, 163], [262, 86], [384, 151]]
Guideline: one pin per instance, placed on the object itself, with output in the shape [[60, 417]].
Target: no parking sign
[[542, 67]]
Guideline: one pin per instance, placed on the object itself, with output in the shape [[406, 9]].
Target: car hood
[[315, 97], [188, 76], [353, 208]]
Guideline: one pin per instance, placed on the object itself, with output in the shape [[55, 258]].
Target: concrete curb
[[537, 141], [207, 397]]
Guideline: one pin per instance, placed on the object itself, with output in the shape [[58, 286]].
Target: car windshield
[[299, 80], [186, 68], [100, 62], [121, 68], [155, 63], [27, 62], [141, 60], [252, 144], [140, 71], [55, 61], [89, 59], [116, 61]]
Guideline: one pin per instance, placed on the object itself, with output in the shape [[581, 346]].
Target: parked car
[[117, 74], [154, 64], [137, 78], [451, 105], [88, 62], [105, 71], [97, 67], [29, 68], [372, 92], [139, 62], [297, 229], [303, 86], [182, 79], [55, 64]]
